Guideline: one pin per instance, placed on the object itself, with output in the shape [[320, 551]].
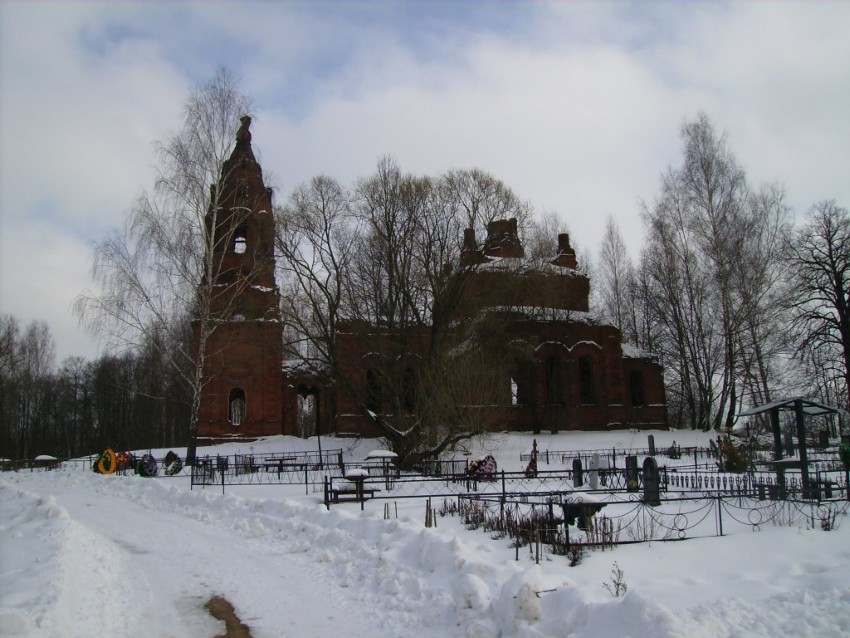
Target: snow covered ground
[[83, 554]]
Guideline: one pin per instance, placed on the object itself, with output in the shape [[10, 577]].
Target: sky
[[85, 554], [576, 106]]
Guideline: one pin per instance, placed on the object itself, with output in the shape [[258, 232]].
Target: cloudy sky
[[577, 106]]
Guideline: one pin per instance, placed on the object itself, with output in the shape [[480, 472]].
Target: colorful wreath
[[106, 463], [484, 468], [147, 466], [173, 464]]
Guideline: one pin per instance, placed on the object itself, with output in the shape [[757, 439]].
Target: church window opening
[[636, 388], [240, 239], [554, 386], [587, 391], [236, 407], [522, 384]]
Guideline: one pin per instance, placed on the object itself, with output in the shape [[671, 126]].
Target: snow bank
[[85, 554]]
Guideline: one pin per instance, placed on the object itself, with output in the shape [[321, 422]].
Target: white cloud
[[44, 269], [576, 106]]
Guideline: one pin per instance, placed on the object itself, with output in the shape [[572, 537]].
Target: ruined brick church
[[579, 375]]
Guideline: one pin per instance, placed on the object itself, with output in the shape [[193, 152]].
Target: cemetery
[[565, 502]]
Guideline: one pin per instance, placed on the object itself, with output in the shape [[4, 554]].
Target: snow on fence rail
[[398, 486]]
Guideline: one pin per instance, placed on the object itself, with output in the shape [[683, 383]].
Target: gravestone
[[632, 478], [651, 487], [578, 477], [593, 477], [651, 440]]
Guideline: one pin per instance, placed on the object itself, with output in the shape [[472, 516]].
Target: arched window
[[373, 391], [240, 239], [636, 388], [236, 407], [586, 389], [523, 384], [308, 411], [554, 383]]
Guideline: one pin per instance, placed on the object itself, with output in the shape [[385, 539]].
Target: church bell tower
[[242, 394]]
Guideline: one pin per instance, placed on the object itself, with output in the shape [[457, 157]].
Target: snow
[[356, 472], [83, 554], [381, 454], [633, 352], [543, 313]]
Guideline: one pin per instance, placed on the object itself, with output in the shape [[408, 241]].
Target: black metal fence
[[84, 463], [564, 523], [609, 484], [707, 458], [610, 456], [305, 468]]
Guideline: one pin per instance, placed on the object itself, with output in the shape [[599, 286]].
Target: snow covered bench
[[354, 488], [351, 493]]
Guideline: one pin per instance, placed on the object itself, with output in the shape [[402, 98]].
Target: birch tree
[[160, 271], [714, 266], [614, 272]]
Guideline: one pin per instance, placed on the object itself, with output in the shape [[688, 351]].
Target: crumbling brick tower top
[[241, 215], [496, 275]]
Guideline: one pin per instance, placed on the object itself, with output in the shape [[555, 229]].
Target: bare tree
[[695, 232], [820, 294], [614, 274], [387, 254], [27, 369], [758, 284], [167, 264], [478, 199], [713, 270], [74, 405], [541, 239], [679, 296], [316, 232]]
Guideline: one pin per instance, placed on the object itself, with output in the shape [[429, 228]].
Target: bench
[[351, 493]]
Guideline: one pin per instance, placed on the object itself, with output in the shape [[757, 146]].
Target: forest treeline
[[128, 401], [740, 304]]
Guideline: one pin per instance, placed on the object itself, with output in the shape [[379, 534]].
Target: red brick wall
[[537, 340], [246, 355]]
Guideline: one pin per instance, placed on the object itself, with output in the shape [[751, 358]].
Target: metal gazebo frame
[[801, 407]]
